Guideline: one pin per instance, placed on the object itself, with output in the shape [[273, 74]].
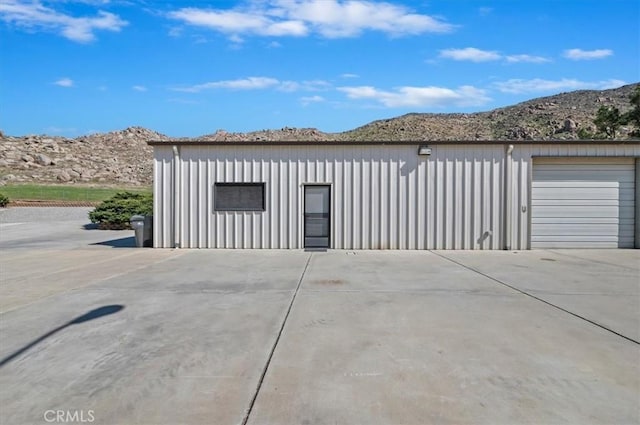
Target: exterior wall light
[[424, 150]]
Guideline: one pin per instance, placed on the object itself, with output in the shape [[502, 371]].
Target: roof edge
[[382, 142]]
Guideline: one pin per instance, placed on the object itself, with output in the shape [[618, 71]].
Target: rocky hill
[[120, 157], [558, 117], [124, 158]]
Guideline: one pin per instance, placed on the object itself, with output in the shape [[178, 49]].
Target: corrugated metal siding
[[383, 197], [163, 197]]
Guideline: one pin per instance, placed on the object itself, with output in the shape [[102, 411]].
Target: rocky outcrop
[[120, 157], [284, 134]]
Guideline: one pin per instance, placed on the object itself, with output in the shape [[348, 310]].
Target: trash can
[[143, 228]]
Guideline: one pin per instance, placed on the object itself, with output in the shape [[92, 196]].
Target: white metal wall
[[383, 197], [163, 191]]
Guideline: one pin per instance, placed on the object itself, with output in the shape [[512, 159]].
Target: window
[[238, 197]]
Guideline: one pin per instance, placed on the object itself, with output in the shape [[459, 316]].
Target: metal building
[[396, 195]]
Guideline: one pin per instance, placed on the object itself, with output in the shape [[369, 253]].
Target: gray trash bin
[[143, 228]]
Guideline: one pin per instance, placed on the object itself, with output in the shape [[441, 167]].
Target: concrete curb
[[50, 203]]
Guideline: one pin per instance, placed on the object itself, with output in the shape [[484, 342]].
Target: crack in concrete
[[618, 266]]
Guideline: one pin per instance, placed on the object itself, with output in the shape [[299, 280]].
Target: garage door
[[582, 203]]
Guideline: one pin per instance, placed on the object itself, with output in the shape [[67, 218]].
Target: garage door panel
[[578, 211], [582, 203], [585, 184], [576, 168], [547, 244], [577, 193], [567, 230], [550, 160], [564, 212], [575, 239], [573, 206], [574, 202], [580, 175], [583, 220], [576, 220]]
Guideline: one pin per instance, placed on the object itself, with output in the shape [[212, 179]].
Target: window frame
[[241, 184]]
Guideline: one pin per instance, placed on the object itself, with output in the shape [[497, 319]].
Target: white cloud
[[232, 22], [470, 54], [518, 86], [274, 45], [579, 54], [139, 88], [336, 19], [64, 82], [309, 85], [473, 54], [89, 2], [35, 16], [329, 18], [258, 83], [526, 58], [349, 75], [175, 32], [306, 100], [236, 39], [420, 96], [250, 83]]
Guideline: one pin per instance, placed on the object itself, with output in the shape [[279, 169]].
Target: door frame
[[302, 215]]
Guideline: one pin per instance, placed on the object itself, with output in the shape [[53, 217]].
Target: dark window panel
[[239, 197]]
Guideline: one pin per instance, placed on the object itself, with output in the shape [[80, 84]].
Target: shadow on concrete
[[90, 226], [90, 315], [129, 242]]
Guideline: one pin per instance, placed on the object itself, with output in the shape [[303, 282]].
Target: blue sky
[[189, 68]]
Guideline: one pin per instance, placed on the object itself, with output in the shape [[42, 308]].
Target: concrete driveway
[[143, 336]]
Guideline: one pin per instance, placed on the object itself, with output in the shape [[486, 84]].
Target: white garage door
[[582, 203]]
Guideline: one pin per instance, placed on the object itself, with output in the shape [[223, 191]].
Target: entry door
[[317, 217]]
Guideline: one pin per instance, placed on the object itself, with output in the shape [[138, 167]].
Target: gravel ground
[[45, 214]]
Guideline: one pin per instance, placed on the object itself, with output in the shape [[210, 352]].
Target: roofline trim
[[383, 143]]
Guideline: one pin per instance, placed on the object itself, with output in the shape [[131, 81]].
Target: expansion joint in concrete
[[536, 298], [275, 344]]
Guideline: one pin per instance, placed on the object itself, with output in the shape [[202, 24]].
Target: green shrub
[[4, 201], [584, 134], [115, 212]]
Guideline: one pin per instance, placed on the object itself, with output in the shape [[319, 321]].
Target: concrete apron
[[371, 337], [413, 338]]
